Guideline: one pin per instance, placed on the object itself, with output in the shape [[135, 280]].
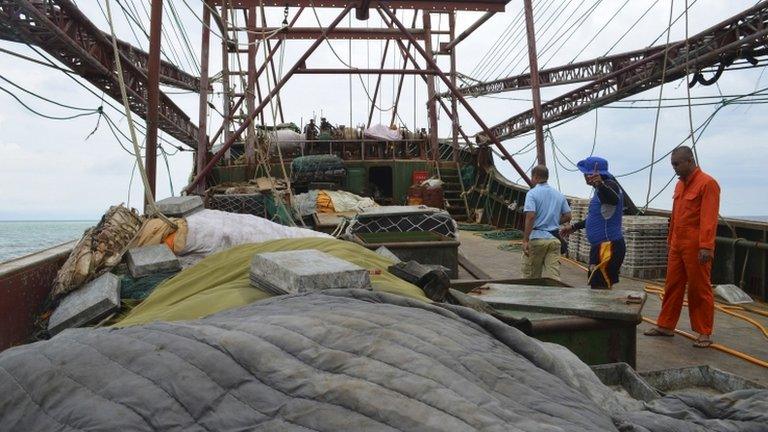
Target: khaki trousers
[[544, 257]]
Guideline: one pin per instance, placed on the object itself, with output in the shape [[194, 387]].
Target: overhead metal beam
[[170, 75], [63, 31], [741, 36], [583, 71], [344, 33], [435, 5]]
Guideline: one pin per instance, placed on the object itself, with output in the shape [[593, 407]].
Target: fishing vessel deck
[[653, 353]]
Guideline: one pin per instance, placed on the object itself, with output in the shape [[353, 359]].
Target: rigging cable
[[126, 103], [658, 111], [603, 28]]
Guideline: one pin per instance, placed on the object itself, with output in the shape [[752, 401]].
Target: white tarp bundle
[[212, 230], [382, 132], [346, 201]]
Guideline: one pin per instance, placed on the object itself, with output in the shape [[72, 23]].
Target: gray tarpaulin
[[340, 360]]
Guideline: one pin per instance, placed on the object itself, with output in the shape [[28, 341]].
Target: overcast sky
[[52, 169]]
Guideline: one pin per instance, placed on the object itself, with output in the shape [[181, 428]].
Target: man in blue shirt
[[545, 209]]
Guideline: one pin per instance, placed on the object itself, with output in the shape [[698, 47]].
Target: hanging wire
[[658, 111]]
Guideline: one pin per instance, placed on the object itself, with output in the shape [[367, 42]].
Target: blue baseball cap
[[593, 164]]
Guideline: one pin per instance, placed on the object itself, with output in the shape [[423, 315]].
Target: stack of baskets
[[646, 238], [577, 242]]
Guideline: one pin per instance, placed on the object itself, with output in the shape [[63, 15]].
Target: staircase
[[455, 203]]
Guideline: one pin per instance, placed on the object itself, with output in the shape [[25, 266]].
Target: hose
[[719, 347], [654, 289], [659, 290]]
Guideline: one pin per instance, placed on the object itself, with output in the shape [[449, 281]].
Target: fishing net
[[252, 204], [100, 249], [511, 234], [438, 222], [318, 168], [141, 288], [511, 247], [463, 226]]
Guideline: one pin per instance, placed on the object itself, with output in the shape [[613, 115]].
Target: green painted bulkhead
[[392, 176]]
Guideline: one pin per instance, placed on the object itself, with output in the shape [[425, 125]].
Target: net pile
[[252, 204], [318, 168], [100, 249], [437, 222]]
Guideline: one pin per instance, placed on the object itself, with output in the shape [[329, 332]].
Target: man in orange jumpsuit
[[692, 230]]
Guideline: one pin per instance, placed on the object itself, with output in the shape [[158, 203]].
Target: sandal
[[702, 343], [656, 332]]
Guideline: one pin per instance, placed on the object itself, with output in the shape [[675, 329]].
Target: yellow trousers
[[544, 257]]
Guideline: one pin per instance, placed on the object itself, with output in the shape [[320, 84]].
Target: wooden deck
[[652, 352]]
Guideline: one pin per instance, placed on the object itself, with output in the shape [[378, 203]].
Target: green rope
[[511, 247], [474, 227], [511, 234]]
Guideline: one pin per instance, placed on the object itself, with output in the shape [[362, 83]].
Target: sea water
[[19, 238]]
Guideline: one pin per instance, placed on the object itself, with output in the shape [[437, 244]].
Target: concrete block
[[93, 301], [301, 271], [180, 206], [149, 260]]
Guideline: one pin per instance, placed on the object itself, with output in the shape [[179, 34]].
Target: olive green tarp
[[221, 281]]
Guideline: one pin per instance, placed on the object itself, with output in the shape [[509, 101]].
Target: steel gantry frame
[[63, 31], [398, 33], [744, 35]]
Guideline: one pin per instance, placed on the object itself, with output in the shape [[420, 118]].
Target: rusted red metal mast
[[454, 103], [534, 67], [431, 99], [202, 137], [250, 96], [153, 91]]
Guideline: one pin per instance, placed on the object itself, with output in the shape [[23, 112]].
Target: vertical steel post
[[431, 104], [534, 67], [454, 102], [153, 92], [202, 136], [227, 110], [250, 97]]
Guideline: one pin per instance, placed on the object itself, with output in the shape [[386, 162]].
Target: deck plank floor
[[652, 352]]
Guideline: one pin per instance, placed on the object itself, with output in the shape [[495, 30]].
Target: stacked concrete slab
[[302, 271], [93, 301], [147, 260], [182, 206]]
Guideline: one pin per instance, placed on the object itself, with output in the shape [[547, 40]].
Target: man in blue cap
[[603, 223]]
